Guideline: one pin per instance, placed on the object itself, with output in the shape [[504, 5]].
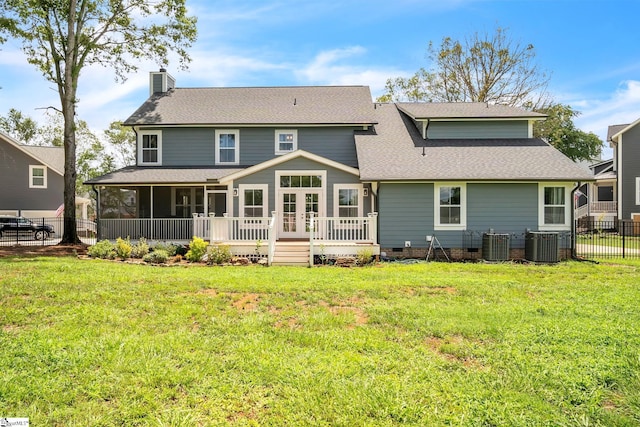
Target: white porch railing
[[596, 208], [229, 229], [359, 229], [152, 228]]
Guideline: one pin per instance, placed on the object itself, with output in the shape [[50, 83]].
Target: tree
[[496, 70], [481, 68], [122, 140], [62, 37], [20, 127], [558, 129]]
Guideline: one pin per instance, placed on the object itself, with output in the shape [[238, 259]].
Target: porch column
[[151, 200], [311, 237], [373, 227]]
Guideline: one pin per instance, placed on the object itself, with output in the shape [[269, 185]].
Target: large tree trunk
[[68, 101]]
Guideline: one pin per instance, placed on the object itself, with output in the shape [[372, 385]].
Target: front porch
[[324, 238]]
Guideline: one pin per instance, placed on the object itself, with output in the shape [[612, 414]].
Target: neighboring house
[[374, 175], [597, 201], [625, 141], [31, 178]]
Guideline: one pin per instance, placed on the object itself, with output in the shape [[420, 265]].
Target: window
[[554, 207], [347, 200], [227, 147], [300, 181], [286, 141], [150, 148], [450, 211], [37, 176], [253, 201]]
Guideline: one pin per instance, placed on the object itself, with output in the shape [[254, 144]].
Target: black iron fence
[[607, 239], [41, 231]]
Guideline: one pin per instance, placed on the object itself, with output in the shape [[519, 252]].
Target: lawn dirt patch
[[44, 250]]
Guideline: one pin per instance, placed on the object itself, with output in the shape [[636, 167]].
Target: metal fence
[[40, 231], [607, 239]]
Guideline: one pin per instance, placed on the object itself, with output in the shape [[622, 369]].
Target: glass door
[[296, 207]]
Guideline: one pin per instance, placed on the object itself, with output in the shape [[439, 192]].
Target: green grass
[[89, 342], [609, 239]]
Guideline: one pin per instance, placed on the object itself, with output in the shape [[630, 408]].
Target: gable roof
[[287, 157], [51, 157], [393, 151], [314, 105], [464, 110], [614, 131]]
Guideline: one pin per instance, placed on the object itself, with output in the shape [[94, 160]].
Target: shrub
[[158, 256], [123, 248], [219, 254], [104, 249], [169, 248], [197, 249], [364, 256], [140, 249]]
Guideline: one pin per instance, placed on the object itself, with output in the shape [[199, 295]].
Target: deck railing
[[358, 229], [152, 228], [596, 208], [230, 229]]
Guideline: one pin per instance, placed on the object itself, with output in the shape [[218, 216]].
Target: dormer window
[[286, 141], [150, 148]]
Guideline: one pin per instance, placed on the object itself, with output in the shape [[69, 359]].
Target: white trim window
[[186, 201], [286, 141], [37, 176], [347, 200], [227, 147], [450, 206], [150, 147], [253, 200], [554, 207]]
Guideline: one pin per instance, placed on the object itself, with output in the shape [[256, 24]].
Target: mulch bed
[[47, 250]]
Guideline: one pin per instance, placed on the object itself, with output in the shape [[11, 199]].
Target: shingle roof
[[460, 110], [162, 175], [393, 151], [614, 129], [257, 105], [54, 156]]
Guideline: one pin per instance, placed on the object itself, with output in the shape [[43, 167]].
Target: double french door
[[296, 207]]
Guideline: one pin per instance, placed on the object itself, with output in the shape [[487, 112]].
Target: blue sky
[[591, 49]]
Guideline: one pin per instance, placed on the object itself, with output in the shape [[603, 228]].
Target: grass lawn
[[92, 343]]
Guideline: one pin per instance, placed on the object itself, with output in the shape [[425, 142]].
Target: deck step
[[291, 254]]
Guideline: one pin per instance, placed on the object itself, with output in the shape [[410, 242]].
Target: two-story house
[[31, 178], [328, 164]]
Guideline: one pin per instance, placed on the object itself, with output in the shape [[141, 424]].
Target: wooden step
[[291, 254]]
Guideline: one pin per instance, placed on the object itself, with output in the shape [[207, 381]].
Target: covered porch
[[323, 239]]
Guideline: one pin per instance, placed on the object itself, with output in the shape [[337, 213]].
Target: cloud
[[329, 67]]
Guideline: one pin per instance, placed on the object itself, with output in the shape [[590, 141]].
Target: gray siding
[[196, 146], [406, 213], [267, 176], [481, 130], [156, 83], [630, 170], [14, 183]]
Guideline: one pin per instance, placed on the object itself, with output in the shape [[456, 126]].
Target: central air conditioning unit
[[495, 247], [542, 246]]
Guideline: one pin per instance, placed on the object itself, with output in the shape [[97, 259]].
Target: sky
[[590, 49]]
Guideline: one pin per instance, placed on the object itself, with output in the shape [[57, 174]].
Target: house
[[31, 178], [625, 141], [596, 201], [328, 170]]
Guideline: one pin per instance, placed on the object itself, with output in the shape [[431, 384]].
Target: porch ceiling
[[133, 175]]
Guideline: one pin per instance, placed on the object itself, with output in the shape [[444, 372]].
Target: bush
[[219, 254], [169, 248], [140, 249], [158, 256], [197, 249], [123, 248], [364, 256], [104, 249]]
